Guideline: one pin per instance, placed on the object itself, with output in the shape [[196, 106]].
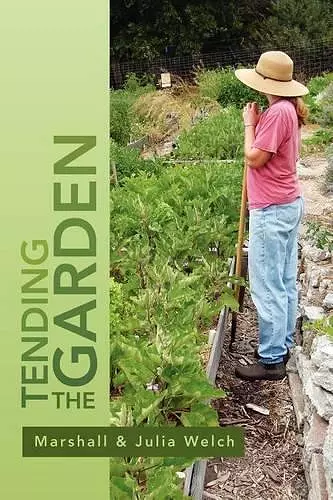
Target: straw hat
[[273, 75]]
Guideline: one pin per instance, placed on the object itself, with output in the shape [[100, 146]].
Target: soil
[[312, 172], [271, 468]]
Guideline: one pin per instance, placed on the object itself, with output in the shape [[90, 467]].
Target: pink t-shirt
[[276, 182]]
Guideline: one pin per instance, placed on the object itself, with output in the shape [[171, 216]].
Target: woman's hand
[[251, 114]]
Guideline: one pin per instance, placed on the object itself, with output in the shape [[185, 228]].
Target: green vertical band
[[54, 239]]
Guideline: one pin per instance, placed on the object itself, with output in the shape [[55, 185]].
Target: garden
[[173, 230]]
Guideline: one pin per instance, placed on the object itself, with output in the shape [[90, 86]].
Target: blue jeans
[[272, 273]]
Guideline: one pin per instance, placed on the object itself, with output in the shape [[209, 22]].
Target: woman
[[272, 142]]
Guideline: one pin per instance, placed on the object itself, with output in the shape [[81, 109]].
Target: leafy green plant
[[323, 326], [124, 123], [223, 86], [146, 478], [316, 86], [120, 118], [167, 284], [219, 136], [318, 141], [139, 85], [128, 162], [326, 103], [320, 235], [318, 83]]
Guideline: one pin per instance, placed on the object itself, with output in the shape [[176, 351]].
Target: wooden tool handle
[[241, 230]]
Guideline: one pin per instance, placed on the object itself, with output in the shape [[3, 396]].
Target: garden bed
[[195, 475]]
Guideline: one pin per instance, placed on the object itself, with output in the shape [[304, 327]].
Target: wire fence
[[310, 60]]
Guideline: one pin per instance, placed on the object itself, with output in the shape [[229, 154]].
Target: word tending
[[68, 347]]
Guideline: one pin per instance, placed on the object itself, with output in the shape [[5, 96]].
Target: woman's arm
[[254, 157]]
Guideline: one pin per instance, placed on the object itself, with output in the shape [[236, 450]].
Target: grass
[[167, 112]]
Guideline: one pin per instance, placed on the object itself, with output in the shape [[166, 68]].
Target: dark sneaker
[[286, 357], [260, 371]]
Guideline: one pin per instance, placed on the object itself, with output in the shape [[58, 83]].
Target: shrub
[[317, 86], [120, 117], [223, 86], [128, 162], [320, 235], [134, 83], [318, 141], [124, 123], [318, 83], [325, 100], [219, 136]]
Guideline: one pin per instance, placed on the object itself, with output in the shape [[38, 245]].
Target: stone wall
[[310, 372]]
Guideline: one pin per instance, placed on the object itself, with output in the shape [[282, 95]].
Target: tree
[[147, 29], [296, 22]]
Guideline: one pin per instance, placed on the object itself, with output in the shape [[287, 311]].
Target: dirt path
[[271, 468], [312, 171]]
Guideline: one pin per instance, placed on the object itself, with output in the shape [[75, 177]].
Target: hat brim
[[268, 86]]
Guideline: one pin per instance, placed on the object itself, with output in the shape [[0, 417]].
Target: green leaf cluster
[[223, 86], [320, 235], [219, 136], [129, 163], [124, 124], [171, 236], [317, 87]]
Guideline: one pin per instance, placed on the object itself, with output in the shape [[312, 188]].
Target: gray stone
[[320, 399], [328, 459], [308, 338], [311, 495], [315, 254], [309, 411], [299, 292], [328, 301], [306, 467], [303, 364], [322, 351], [313, 313], [314, 278], [324, 377], [314, 440], [296, 390], [311, 295], [291, 365], [300, 440], [317, 478], [326, 285]]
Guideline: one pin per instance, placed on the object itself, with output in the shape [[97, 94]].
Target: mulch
[[272, 467]]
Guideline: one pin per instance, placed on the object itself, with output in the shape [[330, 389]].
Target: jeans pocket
[[289, 214]]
